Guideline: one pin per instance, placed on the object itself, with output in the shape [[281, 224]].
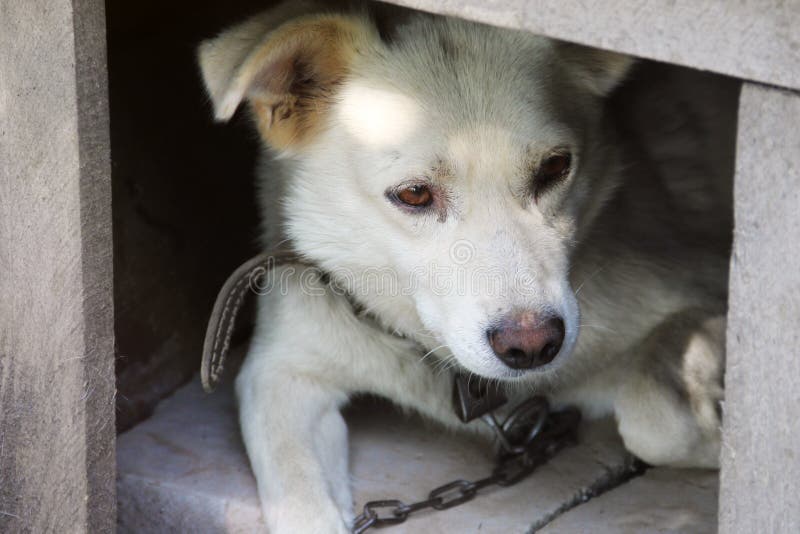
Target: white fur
[[378, 118], [470, 108]]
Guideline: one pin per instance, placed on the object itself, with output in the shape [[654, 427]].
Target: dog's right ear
[[599, 71], [288, 72]]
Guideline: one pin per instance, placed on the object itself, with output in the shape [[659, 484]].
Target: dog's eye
[[417, 196], [550, 171]]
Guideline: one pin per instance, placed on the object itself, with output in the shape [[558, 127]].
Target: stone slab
[[185, 469], [761, 447], [751, 39], [663, 501]]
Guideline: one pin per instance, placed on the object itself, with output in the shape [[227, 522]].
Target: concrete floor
[[184, 470]]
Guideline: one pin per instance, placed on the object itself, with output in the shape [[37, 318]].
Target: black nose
[[526, 341]]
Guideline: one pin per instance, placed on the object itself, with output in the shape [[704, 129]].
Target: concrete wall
[[56, 310], [761, 455]]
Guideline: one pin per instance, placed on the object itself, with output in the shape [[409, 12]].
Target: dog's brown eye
[[417, 196], [550, 171], [555, 166]]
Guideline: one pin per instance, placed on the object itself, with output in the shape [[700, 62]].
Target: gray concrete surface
[[751, 39], [662, 501], [761, 451], [56, 310], [185, 470]]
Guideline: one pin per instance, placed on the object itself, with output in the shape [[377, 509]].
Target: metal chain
[[528, 438]]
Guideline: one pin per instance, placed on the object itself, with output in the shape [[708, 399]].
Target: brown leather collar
[[242, 282]]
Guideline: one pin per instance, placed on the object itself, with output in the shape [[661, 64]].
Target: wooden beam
[[56, 303]]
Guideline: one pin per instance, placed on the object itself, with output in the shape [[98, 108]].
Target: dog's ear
[[288, 72], [598, 70]]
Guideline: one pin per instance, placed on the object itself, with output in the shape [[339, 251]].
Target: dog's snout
[[527, 341]]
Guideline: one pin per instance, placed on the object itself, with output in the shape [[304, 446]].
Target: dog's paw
[[298, 516], [702, 372], [669, 411]]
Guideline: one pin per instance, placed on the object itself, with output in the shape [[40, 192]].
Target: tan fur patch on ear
[[295, 73]]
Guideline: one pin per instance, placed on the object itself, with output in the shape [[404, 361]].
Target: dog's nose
[[526, 341]]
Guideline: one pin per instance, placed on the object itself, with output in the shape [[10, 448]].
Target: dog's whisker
[[602, 327], [444, 365], [422, 359], [588, 278], [438, 367], [420, 333]]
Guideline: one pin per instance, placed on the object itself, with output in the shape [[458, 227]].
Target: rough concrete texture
[[761, 451], [56, 313], [185, 470], [660, 501], [752, 39]]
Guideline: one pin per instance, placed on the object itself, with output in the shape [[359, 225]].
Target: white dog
[[478, 194]]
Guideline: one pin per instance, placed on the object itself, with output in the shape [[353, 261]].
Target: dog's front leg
[[290, 389], [297, 443], [310, 351], [668, 400]]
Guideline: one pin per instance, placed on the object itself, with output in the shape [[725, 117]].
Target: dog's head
[[444, 176]]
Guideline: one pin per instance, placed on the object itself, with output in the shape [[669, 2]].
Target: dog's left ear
[[598, 70], [289, 72]]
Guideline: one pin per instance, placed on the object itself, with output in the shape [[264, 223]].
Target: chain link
[[529, 437]]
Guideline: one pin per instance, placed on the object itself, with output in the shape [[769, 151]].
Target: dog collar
[[230, 299], [470, 400]]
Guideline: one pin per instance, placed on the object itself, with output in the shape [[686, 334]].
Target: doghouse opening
[[184, 217], [183, 195]]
